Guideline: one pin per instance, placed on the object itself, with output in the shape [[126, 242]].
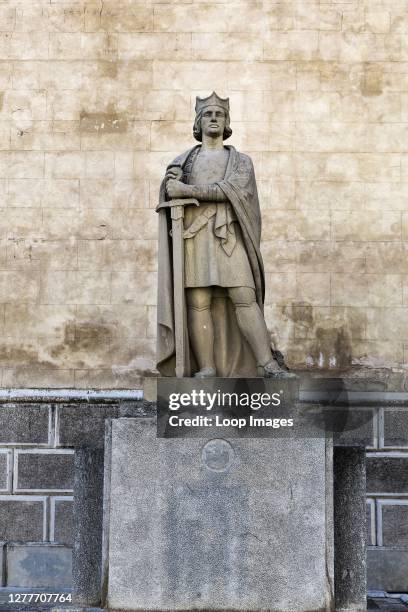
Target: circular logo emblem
[[217, 455]]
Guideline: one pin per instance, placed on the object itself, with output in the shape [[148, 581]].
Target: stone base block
[[387, 569], [39, 565], [220, 524]]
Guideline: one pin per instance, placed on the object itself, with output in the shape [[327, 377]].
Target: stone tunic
[[209, 260]]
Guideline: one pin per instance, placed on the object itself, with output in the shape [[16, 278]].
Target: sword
[[180, 310]]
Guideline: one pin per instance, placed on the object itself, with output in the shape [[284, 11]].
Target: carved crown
[[212, 100]]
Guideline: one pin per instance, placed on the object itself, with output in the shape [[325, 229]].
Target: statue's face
[[213, 121]]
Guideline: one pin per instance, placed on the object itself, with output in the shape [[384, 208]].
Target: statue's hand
[[177, 189], [174, 172]]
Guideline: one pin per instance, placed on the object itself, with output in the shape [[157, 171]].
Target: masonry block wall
[[97, 97], [37, 445], [387, 502], [36, 480]]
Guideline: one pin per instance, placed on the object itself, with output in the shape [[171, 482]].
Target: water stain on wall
[[371, 83], [329, 340], [102, 123], [18, 355], [108, 69], [87, 336], [335, 347]]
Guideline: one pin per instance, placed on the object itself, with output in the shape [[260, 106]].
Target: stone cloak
[[233, 356]]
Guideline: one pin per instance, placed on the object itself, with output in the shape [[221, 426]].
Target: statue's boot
[[273, 370], [205, 373]]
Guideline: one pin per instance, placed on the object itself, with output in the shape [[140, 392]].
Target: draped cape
[[233, 355]]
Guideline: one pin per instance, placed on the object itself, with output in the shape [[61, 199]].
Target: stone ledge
[[64, 395], [355, 379], [353, 385]]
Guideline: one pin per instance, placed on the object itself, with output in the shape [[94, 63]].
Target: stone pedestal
[[198, 524]]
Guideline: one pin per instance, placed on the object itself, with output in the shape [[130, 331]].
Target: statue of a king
[[223, 275]]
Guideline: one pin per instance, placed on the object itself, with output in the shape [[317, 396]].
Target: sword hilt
[[177, 206]]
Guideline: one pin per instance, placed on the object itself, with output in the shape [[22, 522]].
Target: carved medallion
[[217, 455]]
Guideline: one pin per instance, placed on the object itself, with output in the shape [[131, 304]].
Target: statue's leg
[[251, 323], [201, 329]]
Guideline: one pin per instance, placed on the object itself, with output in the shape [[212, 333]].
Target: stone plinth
[[238, 524]]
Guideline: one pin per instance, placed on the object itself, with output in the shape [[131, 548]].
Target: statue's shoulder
[[181, 159], [244, 161]]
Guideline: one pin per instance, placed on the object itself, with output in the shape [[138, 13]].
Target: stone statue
[[213, 257]]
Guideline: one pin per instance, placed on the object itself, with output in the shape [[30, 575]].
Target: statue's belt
[[200, 221], [224, 225]]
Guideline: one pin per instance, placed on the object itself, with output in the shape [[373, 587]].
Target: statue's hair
[[197, 131]]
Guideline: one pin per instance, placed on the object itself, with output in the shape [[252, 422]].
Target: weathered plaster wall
[[96, 98]]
